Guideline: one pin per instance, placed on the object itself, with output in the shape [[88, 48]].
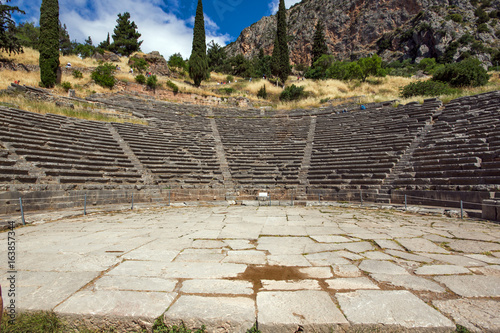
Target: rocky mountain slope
[[396, 29]]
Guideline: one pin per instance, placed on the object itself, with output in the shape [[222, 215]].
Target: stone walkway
[[289, 269]]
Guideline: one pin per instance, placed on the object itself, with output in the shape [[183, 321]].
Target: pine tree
[[281, 58], [319, 43], [8, 40], [198, 64], [125, 36], [104, 45], [49, 42]]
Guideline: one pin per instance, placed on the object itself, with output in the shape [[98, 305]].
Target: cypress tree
[[319, 43], [49, 42], [281, 58], [198, 63]]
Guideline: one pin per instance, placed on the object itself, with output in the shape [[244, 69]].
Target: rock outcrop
[[157, 63], [396, 29]]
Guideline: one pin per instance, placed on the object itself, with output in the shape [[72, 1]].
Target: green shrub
[[173, 86], [152, 82], [229, 78], [292, 93], [262, 93], [466, 39], [483, 27], [77, 74], [226, 91], [425, 88], [66, 86], [103, 75], [141, 79], [468, 72], [139, 64], [455, 18]]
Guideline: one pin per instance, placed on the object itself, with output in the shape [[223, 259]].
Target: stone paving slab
[[231, 314], [117, 303], [286, 311], [472, 285], [391, 308], [219, 287], [230, 266], [475, 315]]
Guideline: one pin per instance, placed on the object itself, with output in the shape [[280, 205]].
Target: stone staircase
[[384, 195]]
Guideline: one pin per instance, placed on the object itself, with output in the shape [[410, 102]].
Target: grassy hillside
[[373, 90]]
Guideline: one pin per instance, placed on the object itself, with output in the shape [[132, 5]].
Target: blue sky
[[166, 25]]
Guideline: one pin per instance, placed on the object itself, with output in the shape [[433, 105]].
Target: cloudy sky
[[166, 25]]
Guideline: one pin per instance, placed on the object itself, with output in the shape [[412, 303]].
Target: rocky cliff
[[396, 29]]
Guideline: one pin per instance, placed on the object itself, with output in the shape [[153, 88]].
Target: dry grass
[[373, 90], [28, 57], [85, 111]]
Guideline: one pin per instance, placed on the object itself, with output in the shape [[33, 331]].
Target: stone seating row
[[461, 150], [66, 149], [361, 148]]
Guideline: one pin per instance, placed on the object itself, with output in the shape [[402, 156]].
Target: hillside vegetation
[[317, 92]]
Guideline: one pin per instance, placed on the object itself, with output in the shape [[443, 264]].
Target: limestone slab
[[487, 270], [116, 303], [317, 272], [135, 283], [377, 255], [359, 247], [217, 286], [241, 231], [409, 282], [290, 285], [346, 270], [284, 245], [472, 285], [351, 283], [151, 255], [284, 311], [44, 290], [459, 260], [138, 268], [331, 239], [250, 257], [470, 246], [441, 270], [380, 266], [475, 315], [408, 256], [284, 231], [229, 314], [186, 270], [388, 244], [207, 244], [485, 258], [326, 259], [398, 308], [239, 244], [288, 260], [420, 245]]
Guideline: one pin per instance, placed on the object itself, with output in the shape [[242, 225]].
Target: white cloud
[[274, 5], [161, 31]]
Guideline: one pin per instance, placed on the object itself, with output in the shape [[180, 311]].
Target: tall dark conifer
[[198, 63], [281, 58], [319, 43], [49, 42]]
